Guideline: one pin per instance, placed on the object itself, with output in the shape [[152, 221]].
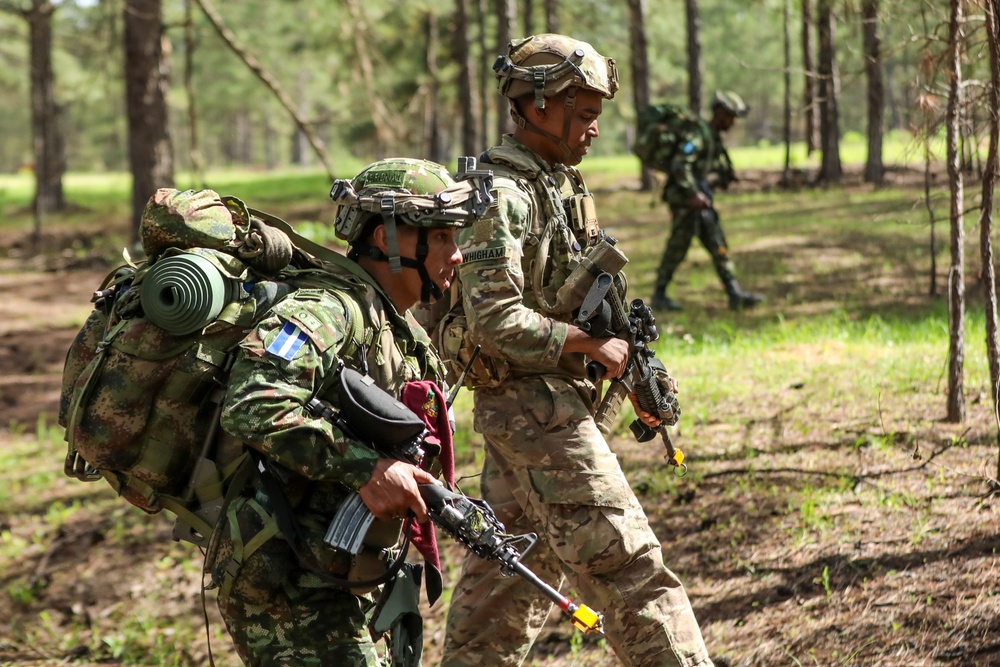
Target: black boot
[[738, 299], [661, 301]]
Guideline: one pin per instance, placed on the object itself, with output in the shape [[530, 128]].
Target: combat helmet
[[413, 192], [546, 65], [731, 102]]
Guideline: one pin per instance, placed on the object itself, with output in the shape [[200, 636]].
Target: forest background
[[843, 438]]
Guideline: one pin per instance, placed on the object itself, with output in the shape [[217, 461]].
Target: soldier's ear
[[379, 238]]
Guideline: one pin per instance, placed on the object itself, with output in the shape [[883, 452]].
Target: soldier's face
[[582, 123]]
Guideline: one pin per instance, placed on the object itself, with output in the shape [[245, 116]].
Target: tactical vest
[[563, 252]]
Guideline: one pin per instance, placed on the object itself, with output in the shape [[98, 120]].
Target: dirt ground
[[911, 580]]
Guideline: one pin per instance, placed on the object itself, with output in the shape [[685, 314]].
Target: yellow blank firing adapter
[[588, 621], [675, 457]]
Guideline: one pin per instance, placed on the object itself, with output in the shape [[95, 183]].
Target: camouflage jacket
[[293, 355], [505, 290], [700, 156]]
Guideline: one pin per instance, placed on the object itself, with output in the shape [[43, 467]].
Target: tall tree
[[986, 211], [529, 17], [506, 17], [640, 71], [433, 136], [829, 92], [874, 170], [809, 88], [786, 11], [695, 63], [485, 78], [956, 273], [551, 15], [48, 146], [147, 76], [463, 54]]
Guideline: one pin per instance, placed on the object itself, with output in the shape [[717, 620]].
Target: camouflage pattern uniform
[[277, 610], [548, 469], [699, 162], [276, 597]]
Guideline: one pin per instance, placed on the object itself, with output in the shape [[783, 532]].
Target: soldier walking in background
[[697, 164], [548, 468]]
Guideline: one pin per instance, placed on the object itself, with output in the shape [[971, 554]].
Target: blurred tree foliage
[[309, 46]]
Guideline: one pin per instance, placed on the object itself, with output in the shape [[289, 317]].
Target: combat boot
[[738, 299], [661, 301]]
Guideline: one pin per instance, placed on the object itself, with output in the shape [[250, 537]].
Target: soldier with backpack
[[282, 590], [548, 469], [692, 153]]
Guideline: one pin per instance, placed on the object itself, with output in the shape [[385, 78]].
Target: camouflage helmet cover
[[731, 102], [184, 219], [548, 64], [420, 193]]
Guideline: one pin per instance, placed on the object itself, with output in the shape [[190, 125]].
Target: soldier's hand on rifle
[[647, 418], [393, 490], [699, 200], [612, 353]]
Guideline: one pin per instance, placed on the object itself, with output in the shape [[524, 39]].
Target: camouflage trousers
[[549, 470], [687, 223], [281, 615]]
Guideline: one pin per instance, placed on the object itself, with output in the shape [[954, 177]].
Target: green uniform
[[277, 610], [699, 162], [548, 469]]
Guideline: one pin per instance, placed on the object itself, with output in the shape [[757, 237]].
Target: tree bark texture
[[640, 72], [956, 273], [506, 17], [484, 81], [463, 54], [272, 84], [829, 92], [50, 163], [433, 135], [695, 63], [787, 111], [146, 83], [551, 15], [986, 212], [874, 169], [809, 105]]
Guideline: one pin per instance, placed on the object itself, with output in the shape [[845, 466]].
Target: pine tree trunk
[[551, 15], [433, 135], [956, 273], [986, 210], [695, 64], [811, 108], [146, 83], [506, 16], [485, 79], [463, 54], [45, 115], [529, 17], [874, 170], [829, 91], [640, 72], [787, 111]]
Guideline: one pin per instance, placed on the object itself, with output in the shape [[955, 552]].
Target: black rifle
[[370, 415], [603, 314]]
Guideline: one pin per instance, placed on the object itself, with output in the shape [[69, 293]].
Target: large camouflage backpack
[[145, 378], [658, 131]]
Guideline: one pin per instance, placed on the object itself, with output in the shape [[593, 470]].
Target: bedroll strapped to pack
[[657, 134], [145, 378]]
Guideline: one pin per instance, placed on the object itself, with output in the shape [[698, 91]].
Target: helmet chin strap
[[428, 288], [565, 152]]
